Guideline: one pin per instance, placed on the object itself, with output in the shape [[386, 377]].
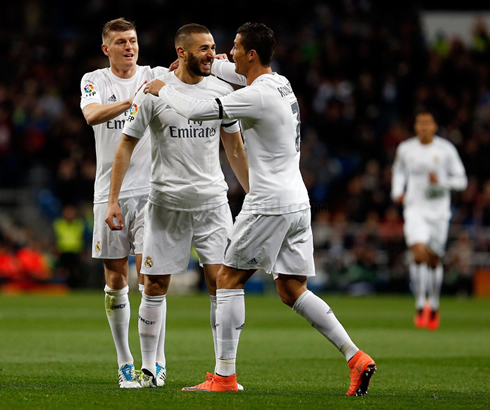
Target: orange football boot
[[362, 368], [216, 383], [421, 319], [434, 321]]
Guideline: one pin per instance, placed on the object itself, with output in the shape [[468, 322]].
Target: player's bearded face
[[200, 65]]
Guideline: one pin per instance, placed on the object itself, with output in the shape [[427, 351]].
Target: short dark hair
[[184, 32], [426, 111], [258, 37], [116, 25]]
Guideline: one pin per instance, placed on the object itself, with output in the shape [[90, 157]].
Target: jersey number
[[295, 109]]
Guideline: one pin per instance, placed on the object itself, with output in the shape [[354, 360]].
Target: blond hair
[[116, 25]]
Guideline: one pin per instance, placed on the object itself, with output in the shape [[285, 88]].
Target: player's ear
[[180, 52], [252, 55], [104, 49]]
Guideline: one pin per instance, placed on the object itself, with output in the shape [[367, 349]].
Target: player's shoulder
[[408, 143], [95, 75], [150, 73], [443, 142], [215, 83]]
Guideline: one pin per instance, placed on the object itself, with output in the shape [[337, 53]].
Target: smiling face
[[239, 56], [122, 49], [200, 52]]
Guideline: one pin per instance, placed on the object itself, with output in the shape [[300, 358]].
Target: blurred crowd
[[359, 74]]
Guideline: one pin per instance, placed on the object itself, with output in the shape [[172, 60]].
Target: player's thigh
[[295, 258], [167, 241], [255, 241], [107, 244], [137, 223], [210, 232], [416, 229], [438, 236]]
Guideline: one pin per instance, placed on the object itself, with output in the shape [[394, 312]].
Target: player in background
[[273, 229], [425, 170], [188, 204], [107, 96]]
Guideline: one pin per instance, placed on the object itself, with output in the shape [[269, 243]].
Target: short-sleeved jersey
[[413, 163], [186, 172], [269, 114], [104, 87]]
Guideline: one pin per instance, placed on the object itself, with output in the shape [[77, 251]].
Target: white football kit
[[188, 196], [104, 87], [427, 206], [273, 229]]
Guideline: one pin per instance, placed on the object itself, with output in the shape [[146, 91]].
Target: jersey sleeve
[[225, 70], [399, 174], [455, 177], [230, 126], [139, 115], [90, 90]]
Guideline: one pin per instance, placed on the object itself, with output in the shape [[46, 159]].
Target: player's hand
[[154, 87], [114, 212], [222, 56], [433, 178], [174, 65], [399, 199], [139, 88]]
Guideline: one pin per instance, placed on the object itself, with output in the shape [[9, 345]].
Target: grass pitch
[[57, 353]]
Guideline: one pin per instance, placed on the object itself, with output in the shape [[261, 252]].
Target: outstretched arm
[[119, 168]]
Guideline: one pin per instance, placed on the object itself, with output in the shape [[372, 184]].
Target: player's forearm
[[98, 113], [120, 166], [225, 70], [238, 162], [456, 182], [191, 108]]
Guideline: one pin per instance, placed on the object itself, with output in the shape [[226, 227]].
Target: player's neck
[[187, 76], [124, 72], [426, 140], [256, 71]]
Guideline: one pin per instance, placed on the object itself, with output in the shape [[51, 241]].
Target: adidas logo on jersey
[[112, 98], [252, 261]]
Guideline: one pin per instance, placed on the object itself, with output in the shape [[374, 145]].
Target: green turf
[[57, 352]]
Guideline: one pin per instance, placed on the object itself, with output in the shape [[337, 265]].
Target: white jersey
[[104, 87], [186, 173], [270, 121], [413, 163]]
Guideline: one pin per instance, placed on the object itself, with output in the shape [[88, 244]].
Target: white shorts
[[278, 244], [170, 235], [431, 232], [107, 244]]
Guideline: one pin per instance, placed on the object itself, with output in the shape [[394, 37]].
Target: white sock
[[230, 318], [118, 314], [161, 336], [318, 314], [212, 320], [149, 327], [418, 282], [435, 284]]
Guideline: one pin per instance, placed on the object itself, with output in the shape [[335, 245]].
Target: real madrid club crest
[[97, 246], [148, 262]]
